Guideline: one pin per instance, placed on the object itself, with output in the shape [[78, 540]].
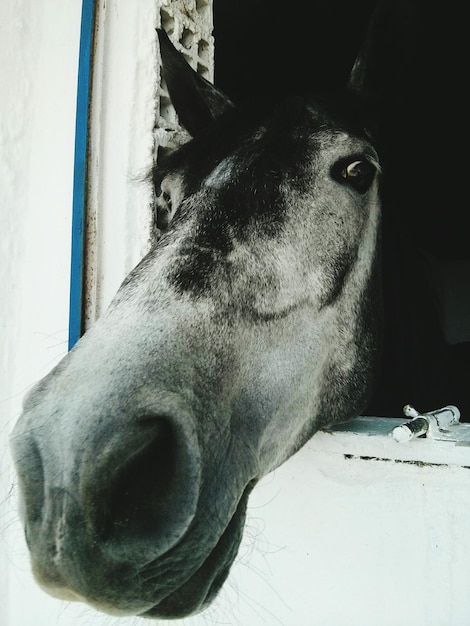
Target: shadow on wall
[[266, 47]]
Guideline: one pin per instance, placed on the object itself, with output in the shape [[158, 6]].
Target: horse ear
[[197, 102], [383, 70]]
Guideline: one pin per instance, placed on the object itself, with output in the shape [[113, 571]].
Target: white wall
[[38, 74], [332, 538], [38, 65]]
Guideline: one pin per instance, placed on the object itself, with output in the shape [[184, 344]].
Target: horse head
[[251, 323]]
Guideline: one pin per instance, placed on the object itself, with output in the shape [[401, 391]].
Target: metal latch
[[441, 424]]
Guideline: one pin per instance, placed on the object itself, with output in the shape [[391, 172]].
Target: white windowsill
[[370, 438]]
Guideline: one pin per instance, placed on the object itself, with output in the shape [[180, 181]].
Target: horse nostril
[[140, 499], [141, 483]]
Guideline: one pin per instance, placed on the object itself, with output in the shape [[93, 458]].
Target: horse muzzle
[[100, 510]]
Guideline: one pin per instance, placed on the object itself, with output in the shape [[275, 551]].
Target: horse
[[253, 322]]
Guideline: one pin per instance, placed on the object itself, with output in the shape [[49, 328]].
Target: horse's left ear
[[383, 69], [197, 102]]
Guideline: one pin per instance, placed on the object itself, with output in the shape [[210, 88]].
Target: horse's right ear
[[197, 102]]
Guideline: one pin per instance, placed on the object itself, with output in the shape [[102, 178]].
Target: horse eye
[[359, 174]]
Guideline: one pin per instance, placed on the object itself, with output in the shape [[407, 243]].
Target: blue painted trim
[[80, 172]]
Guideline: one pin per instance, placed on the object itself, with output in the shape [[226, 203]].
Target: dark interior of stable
[[273, 47]]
